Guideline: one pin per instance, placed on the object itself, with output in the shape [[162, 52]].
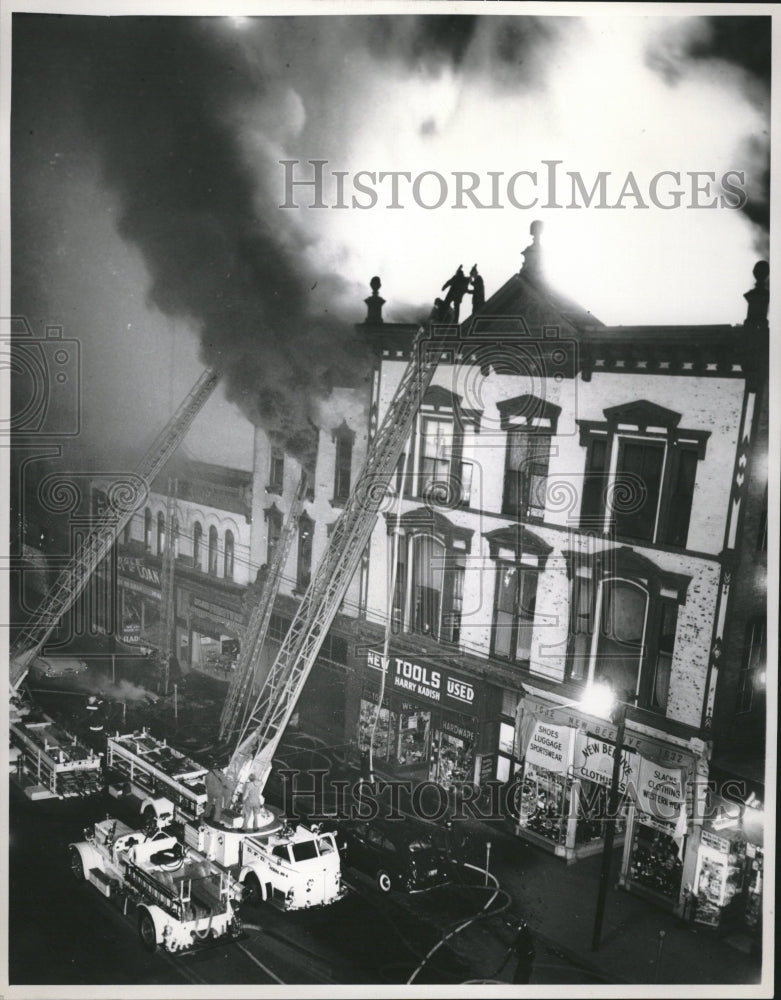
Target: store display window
[[453, 762], [593, 802], [654, 861], [544, 804], [719, 878]]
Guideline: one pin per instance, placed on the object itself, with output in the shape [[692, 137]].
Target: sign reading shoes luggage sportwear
[[434, 684]]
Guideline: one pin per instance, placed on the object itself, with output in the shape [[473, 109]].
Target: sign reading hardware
[[432, 683]]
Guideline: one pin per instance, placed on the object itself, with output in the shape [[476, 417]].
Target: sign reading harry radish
[[432, 683], [549, 747]]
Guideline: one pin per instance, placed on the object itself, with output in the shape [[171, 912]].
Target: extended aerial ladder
[[168, 571], [276, 701], [123, 503], [237, 698]]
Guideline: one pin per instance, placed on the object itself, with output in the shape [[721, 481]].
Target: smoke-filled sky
[[146, 185]]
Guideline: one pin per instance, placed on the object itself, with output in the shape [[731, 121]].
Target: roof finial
[[374, 303]]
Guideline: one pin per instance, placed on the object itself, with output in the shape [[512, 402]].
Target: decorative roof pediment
[[531, 412]]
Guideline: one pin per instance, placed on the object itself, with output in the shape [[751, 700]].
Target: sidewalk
[[558, 901]]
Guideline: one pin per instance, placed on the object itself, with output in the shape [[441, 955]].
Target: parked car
[[57, 666], [398, 854]]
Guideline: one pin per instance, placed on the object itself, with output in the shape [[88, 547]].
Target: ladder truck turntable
[[179, 900]]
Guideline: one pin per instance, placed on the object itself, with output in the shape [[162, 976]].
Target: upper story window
[[431, 561], [343, 439], [520, 556], [432, 466], [530, 424], [160, 533], [228, 556], [623, 619], [306, 530], [213, 551], [640, 473], [175, 535], [752, 668], [274, 522], [197, 537], [276, 472], [148, 529], [126, 534]]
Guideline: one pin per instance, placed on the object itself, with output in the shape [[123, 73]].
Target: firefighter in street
[[521, 947]]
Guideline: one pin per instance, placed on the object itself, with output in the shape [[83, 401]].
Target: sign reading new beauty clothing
[[594, 762], [549, 747]]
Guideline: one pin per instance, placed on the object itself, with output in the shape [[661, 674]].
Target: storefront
[[564, 790], [213, 632], [139, 602], [422, 724], [729, 878]]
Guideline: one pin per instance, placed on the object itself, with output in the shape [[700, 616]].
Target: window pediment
[[425, 520], [529, 412], [520, 540], [642, 414], [628, 563]]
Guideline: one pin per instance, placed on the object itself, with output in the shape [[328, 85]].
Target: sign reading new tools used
[[432, 683]]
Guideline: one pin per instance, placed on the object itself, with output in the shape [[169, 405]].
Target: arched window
[[306, 529], [213, 551], [147, 529], [619, 652], [160, 533], [343, 438], [228, 557], [274, 521], [197, 537], [428, 573], [623, 620]]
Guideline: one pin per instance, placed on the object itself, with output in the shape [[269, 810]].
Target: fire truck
[[177, 898], [289, 868], [170, 785], [47, 762]]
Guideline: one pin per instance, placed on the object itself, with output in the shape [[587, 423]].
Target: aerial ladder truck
[[46, 758], [297, 868]]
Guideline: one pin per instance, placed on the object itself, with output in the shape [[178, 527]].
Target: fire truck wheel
[[146, 930], [252, 891], [77, 865], [384, 881]]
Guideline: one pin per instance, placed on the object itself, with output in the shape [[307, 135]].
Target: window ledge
[[274, 488], [338, 501]]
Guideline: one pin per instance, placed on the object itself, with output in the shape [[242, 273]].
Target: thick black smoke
[[156, 95]]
